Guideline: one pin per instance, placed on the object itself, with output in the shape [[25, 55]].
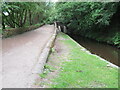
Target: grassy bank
[[109, 34], [111, 37], [70, 66]]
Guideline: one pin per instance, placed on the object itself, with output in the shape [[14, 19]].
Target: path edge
[[42, 59], [44, 54]]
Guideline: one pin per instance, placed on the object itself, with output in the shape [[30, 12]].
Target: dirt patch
[[58, 54]]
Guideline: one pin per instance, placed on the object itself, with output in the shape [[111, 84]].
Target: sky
[[53, 0]]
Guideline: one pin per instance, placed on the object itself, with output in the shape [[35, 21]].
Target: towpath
[[20, 54]]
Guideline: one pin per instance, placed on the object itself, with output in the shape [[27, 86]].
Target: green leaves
[[20, 14], [86, 14]]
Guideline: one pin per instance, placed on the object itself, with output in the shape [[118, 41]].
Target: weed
[[47, 69]]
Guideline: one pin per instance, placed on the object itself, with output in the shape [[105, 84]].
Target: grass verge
[[77, 68]]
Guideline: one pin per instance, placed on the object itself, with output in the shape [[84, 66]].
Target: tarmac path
[[20, 54]]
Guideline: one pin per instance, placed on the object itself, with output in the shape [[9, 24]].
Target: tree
[[85, 16], [20, 14]]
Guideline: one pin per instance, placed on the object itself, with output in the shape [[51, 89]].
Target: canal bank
[[106, 51], [72, 66]]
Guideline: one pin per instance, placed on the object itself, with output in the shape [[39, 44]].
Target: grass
[[111, 37], [83, 70], [47, 69], [0, 31]]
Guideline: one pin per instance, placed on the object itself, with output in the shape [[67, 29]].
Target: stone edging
[[39, 67], [44, 55], [15, 31]]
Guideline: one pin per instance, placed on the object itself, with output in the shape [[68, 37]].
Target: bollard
[[65, 30], [59, 28]]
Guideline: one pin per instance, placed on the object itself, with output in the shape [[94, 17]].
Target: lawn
[[76, 68]]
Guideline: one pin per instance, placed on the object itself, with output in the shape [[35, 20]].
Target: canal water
[[105, 51]]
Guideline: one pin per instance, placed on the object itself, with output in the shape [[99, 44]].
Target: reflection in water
[[105, 51]]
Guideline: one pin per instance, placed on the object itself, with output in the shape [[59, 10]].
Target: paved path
[[0, 63], [20, 55]]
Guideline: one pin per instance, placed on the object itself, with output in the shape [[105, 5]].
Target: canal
[[105, 51]]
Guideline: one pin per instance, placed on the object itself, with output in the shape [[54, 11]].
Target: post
[[59, 28], [55, 24], [65, 30]]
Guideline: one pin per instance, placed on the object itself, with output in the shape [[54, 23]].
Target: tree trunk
[[21, 18], [24, 19], [30, 17], [3, 24]]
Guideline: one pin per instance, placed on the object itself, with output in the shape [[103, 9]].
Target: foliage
[[81, 16], [20, 14], [91, 19]]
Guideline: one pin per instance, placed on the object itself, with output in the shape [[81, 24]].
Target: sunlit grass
[[84, 70]]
